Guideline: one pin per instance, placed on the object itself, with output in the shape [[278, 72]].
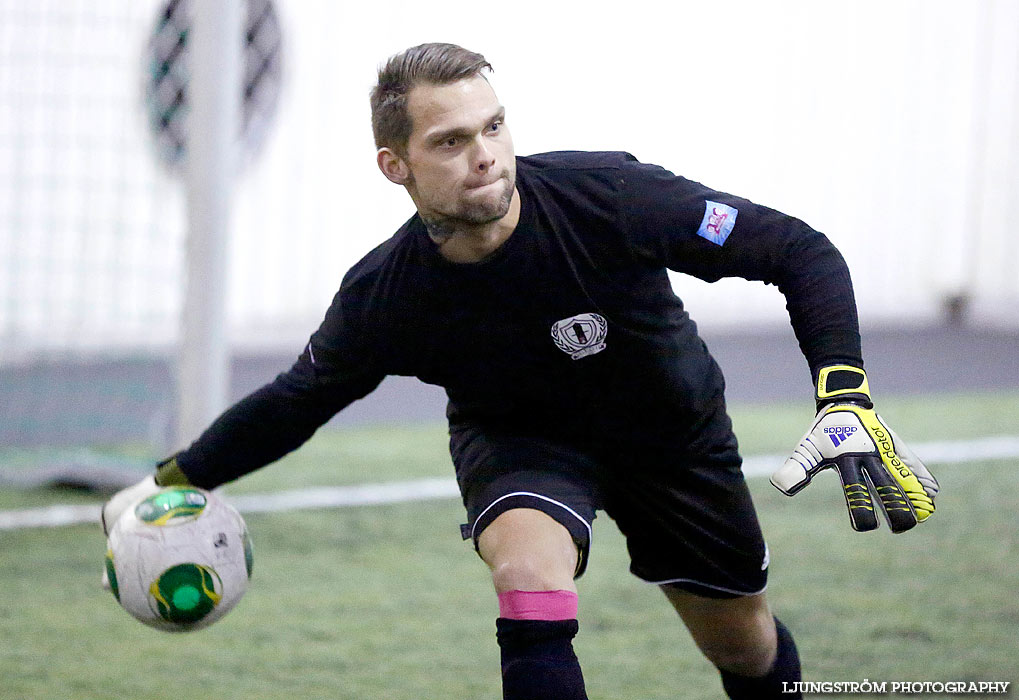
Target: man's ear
[[393, 166]]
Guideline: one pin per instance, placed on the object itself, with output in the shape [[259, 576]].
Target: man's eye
[[451, 142], [495, 126]]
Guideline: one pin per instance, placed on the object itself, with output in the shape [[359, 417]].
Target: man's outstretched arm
[[711, 235]]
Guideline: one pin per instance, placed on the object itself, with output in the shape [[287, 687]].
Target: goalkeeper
[[535, 290]]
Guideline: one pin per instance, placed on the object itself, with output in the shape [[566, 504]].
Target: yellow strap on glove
[[875, 466]]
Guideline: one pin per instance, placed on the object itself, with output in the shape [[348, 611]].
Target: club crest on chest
[[580, 335]]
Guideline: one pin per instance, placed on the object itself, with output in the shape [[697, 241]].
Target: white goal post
[[212, 159]]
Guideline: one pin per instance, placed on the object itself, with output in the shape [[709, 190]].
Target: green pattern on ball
[[173, 503], [111, 575], [186, 598], [249, 555], [185, 593]]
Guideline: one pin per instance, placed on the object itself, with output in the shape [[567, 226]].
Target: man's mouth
[[484, 184]]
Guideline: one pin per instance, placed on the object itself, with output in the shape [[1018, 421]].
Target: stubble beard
[[470, 215]]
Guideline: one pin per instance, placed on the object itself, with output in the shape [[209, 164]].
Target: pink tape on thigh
[[538, 605]]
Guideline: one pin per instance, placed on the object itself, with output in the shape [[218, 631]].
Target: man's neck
[[469, 244]]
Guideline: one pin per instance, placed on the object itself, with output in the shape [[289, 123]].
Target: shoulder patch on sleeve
[[718, 222]]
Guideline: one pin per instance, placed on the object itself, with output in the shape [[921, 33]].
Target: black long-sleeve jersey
[[570, 329]]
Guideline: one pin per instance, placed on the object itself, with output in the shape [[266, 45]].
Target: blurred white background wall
[[891, 125]]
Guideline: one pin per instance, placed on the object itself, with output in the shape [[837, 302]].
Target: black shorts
[[686, 514]]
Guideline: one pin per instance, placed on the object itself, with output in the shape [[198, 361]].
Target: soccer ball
[[179, 559]]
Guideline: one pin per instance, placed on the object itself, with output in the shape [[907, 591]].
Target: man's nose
[[485, 158]]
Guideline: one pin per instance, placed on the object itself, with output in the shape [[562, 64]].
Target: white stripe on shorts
[[706, 585], [764, 565], [535, 495]]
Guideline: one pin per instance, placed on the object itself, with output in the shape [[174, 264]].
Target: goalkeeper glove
[[875, 466], [124, 499]]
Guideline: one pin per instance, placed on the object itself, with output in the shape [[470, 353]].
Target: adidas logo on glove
[[839, 433]]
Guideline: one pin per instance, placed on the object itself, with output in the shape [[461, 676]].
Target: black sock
[[785, 670], [538, 662]]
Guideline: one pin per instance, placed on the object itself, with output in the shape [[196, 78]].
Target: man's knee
[[528, 550], [737, 635], [744, 656]]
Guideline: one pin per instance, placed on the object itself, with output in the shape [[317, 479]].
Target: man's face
[[460, 154]]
